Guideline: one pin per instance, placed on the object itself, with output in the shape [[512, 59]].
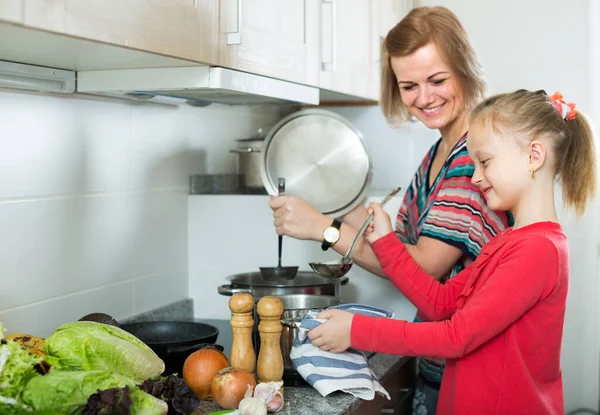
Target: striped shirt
[[453, 211]]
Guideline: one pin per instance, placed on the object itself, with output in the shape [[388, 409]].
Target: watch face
[[331, 234]]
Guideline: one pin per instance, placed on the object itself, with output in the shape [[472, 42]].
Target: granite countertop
[[307, 401]]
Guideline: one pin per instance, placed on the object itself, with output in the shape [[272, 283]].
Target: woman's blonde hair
[[421, 26], [531, 115]]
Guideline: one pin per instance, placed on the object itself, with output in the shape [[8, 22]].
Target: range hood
[[197, 85]]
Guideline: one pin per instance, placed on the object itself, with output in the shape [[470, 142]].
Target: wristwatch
[[331, 234]]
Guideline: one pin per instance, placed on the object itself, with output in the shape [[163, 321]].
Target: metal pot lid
[[302, 279], [322, 157]]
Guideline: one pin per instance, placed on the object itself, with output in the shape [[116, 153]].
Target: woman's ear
[[537, 154]]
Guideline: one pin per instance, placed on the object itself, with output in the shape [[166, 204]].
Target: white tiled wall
[[93, 202]]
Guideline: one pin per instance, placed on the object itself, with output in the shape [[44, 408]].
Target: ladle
[[340, 267], [279, 272]]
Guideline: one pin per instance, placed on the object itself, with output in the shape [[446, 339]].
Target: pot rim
[[314, 281]]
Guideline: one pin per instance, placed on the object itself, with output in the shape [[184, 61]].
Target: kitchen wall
[[93, 202]]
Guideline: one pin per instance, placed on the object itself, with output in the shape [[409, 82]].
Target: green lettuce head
[[65, 391], [16, 370], [86, 345]]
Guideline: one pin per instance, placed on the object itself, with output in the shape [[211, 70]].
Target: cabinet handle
[[329, 66], [235, 38]]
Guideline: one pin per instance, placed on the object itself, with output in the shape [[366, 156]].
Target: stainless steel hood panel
[[200, 85]]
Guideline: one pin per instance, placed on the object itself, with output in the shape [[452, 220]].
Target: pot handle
[[228, 290], [289, 322], [192, 348], [245, 150]]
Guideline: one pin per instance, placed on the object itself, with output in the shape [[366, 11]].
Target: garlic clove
[[252, 406], [269, 393], [265, 391], [275, 404]]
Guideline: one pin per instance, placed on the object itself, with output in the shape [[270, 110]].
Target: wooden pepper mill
[[269, 367], [242, 350]]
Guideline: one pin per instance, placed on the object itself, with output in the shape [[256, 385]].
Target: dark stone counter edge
[[384, 366]]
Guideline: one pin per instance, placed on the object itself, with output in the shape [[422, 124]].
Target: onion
[[200, 368], [230, 385]]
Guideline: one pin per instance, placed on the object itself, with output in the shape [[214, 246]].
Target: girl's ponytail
[[576, 164]]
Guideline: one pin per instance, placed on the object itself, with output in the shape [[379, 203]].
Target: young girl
[[500, 321]]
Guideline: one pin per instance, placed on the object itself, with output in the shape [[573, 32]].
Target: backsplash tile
[[159, 223], [160, 289], [41, 318], [54, 247], [53, 146]]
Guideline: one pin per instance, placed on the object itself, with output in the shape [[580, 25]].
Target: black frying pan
[[174, 341]]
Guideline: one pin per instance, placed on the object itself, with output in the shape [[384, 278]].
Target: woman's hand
[[297, 218], [381, 225], [334, 334]]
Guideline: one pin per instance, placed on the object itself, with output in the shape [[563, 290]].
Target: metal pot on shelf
[[249, 159]]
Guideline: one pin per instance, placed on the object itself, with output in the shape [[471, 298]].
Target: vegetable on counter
[[200, 368], [17, 368], [174, 391], [65, 391], [86, 345], [124, 401], [230, 385]]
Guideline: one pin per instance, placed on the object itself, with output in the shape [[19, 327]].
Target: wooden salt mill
[[269, 367], [242, 350]]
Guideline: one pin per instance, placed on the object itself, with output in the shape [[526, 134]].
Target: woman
[[430, 72]]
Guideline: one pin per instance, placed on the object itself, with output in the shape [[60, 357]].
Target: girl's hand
[[295, 217], [381, 225], [334, 334]]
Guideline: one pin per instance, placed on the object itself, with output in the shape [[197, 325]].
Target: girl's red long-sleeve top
[[499, 322]]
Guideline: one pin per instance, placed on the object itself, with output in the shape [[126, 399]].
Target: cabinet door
[[180, 28], [385, 14], [346, 47], [277, 38], [10, 11]]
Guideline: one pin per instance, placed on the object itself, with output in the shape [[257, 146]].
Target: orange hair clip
[[567, 113]]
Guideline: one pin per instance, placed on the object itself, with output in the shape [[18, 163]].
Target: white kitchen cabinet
[[10, 11], [352, 35], [277, 38], [185, 29], [346, 58], [385, 14]]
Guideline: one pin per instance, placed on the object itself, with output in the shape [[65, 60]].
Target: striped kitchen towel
[[328, 372]]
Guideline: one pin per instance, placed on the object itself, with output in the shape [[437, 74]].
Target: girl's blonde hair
[[420, 27], [532, 115]]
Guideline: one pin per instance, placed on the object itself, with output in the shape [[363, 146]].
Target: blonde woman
[[431, 73]]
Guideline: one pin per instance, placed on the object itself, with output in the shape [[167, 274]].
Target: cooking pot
[[295, 307], [305, 282], [174, 341], [249, 160]]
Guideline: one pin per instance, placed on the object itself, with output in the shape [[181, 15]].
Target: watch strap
[[326, 245]]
